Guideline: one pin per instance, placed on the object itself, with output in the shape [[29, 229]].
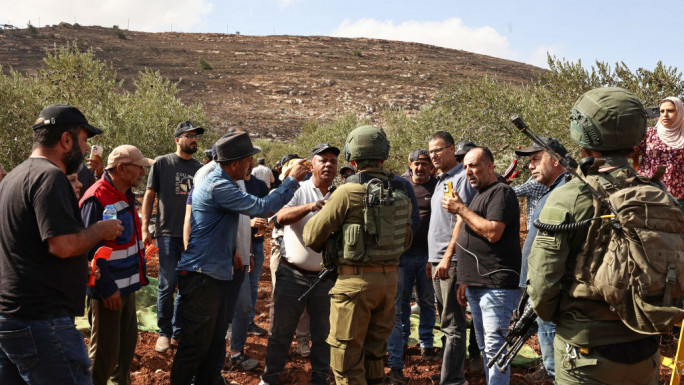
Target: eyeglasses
[[191, 136], [437, 150]]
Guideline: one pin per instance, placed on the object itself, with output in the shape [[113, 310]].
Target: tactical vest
[[636, 263], [386, 229]]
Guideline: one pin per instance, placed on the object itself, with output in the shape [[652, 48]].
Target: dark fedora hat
[[234, 146]]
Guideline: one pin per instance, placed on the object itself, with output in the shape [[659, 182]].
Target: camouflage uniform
[[362, 300], [592, 345]]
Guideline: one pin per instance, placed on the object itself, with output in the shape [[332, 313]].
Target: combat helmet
[[608, 118], [366, 142]]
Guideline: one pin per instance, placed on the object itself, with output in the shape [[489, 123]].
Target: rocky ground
[[272, 84]]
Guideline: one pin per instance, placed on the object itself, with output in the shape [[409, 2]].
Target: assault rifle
[[522, 127], [524, 327], [322, 276]]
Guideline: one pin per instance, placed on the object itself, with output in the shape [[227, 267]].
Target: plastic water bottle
[[109, 212]]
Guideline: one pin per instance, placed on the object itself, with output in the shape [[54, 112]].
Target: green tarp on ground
[[146, 301]]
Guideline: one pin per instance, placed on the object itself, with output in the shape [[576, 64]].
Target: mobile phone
[[449, 189]]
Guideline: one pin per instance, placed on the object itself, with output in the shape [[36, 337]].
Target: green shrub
[[357, 52], [145, 117], [119, 33], [31, 29], [205, 65]]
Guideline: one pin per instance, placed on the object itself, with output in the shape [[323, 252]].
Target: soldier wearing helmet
[[592, 345], [369, 219]]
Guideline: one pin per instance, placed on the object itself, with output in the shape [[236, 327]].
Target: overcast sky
[[522, 30]]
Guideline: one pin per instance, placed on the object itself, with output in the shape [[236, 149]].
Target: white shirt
[[264, 173], [295, 251], [244, 235]]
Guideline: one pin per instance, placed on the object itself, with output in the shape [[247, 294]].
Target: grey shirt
[[171, 177], [441, 222]]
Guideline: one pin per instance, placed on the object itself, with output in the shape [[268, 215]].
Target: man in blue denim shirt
[[205, 268]]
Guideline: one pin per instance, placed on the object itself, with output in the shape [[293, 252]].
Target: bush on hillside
[[145, 118], [119, 33], [481, 110]]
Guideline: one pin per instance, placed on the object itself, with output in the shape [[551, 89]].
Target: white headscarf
[[673, 136]]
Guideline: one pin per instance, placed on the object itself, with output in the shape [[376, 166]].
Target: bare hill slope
[[273, 84]]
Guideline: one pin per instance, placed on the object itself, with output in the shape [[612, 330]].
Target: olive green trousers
[[573, 367], [361, 321]]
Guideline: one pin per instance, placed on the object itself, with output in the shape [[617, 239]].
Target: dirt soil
[[271, 85], [153, 368]]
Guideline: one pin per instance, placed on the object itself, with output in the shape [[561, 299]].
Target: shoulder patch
[[547, 239]]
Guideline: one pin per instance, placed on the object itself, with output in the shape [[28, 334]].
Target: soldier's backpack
[[385, 233], [635, 261]]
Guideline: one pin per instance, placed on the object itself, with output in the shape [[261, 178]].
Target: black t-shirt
[[423, 192], [171, 177], [499, 262], [37, 202]]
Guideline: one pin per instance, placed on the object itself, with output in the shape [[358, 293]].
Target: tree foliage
[[479, 110], [145, 118]]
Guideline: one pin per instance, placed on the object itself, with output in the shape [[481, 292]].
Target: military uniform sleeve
[[330, 219], [547, 261]]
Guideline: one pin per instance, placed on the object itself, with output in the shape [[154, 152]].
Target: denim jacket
[[216, 204]]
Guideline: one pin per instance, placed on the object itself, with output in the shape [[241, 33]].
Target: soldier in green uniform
[[592, 345], [370, 227]]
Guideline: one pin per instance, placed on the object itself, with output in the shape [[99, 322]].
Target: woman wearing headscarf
[[664, 146]]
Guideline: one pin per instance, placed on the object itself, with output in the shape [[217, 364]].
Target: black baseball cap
[[323, 147], [463, 147], [551, 142], [186, 126], [60, 114], [419, 153], [347, 167]]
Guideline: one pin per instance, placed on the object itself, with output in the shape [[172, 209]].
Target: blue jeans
[[287, 312], [411, 271], [492, 310], [255, 275], [47, 351], [545, 334], [168, 319], [246, 302]]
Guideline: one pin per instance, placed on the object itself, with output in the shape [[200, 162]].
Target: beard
[[189, 148], [73, 159]]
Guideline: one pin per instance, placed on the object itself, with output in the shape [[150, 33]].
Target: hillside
[[272, 84]]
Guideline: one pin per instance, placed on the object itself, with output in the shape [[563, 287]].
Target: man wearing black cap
[[299, 266], [206, 265], [170, 179], [346, 171], [411, 271], [43, 262], [548, 172]]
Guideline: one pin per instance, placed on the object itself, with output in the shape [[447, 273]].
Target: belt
[[355, 269], [299, 269]]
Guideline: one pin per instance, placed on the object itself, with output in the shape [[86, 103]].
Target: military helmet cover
[[608, 118], [366, 142]]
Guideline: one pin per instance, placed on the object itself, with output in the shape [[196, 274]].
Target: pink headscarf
[[673, 136]]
